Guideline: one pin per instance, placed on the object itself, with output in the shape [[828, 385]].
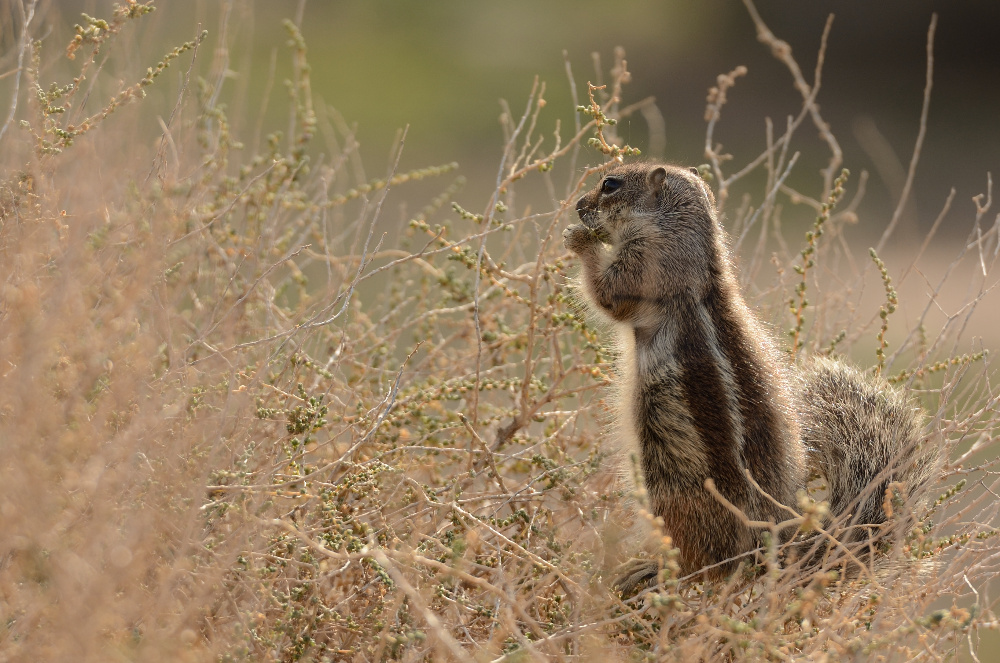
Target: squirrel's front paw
[[578, 238]]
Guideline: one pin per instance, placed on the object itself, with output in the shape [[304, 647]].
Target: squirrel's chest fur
[[700, 403]]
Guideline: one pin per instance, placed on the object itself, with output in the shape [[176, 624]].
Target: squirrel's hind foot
[[635, 575]]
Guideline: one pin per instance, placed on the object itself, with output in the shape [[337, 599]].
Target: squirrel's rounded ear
[[694, 171], [656, 177]]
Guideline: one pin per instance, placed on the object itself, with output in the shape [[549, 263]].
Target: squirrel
[[709, 406]]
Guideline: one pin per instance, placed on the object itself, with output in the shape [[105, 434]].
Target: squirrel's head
[[668, 208], [646, 193]]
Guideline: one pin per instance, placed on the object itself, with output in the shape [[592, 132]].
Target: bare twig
[[26, 18], [915, 158]]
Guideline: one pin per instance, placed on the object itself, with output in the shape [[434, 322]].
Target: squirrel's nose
[[581, 207]]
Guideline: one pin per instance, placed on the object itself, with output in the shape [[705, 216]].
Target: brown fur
[[704, 393]]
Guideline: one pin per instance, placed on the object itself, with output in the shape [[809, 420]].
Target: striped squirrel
[[705, 395]]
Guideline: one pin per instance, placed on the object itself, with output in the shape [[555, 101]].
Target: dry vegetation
[[244, 416]]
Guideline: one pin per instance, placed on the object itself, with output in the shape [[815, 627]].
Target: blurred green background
[[441, 67]]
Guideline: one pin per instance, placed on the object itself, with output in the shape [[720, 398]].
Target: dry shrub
[[244, 417]]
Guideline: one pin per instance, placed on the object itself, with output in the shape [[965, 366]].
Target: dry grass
[[246, 417]]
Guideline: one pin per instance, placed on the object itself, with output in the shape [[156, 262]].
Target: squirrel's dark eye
[[610, 184]]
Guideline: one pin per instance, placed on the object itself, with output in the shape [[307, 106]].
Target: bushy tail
[[865, 437]]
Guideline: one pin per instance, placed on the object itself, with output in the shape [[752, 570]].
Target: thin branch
[[915, 158], [22, 49]]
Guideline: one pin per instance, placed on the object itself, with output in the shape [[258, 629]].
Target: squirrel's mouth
[[589, 218], [596, 224], [599, 229], [592, 218]]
